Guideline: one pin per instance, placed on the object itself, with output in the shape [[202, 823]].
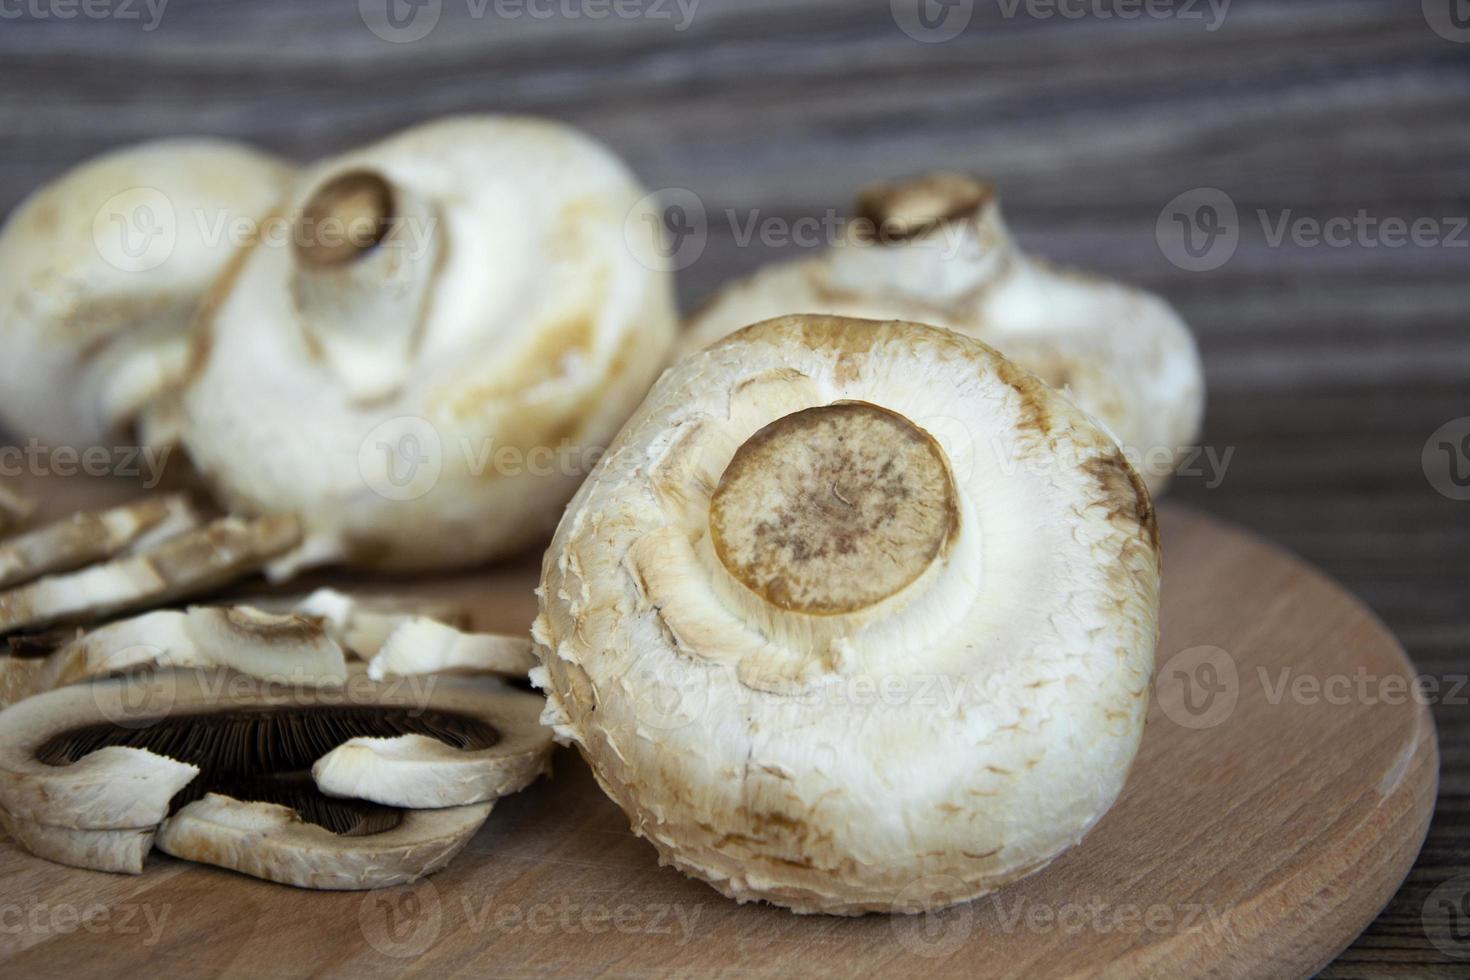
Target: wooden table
[[1330, 365]]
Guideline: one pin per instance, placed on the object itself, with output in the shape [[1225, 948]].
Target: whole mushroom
[[101, 271], [935, 249], [425, 371], [851, 606]]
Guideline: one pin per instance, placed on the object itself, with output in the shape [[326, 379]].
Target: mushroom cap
[[851, 603], [270, 841], [101, 271], [521, 331], [935, 249]]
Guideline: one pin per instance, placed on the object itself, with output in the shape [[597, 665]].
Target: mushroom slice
[[121, 851], [15, 507], [419, 645], [888, 613], [273, 842], [420, 306], [189, 564], [289, 647], [935, 249], [363, 625], [124, 752], [101, 274], [90, 536], [413, 770]]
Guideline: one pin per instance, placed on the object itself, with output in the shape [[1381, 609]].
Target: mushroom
[[188, 564], [15, 507], [363, 625], [935, 249], [460, 311], [221, 771], [420, 645], [101, 271], [89, 536], [850, 603]]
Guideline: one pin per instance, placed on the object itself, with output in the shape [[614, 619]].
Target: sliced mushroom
[[189, 564], [90, 536], [121, 851], [419, 645], [101, 272], [15, 507], [414, 770], [225, 767], [936, 250], [363, 625], [461, 312], [273, 842], [820, 645]]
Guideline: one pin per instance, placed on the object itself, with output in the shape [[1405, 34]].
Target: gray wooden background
[[1330, 364]]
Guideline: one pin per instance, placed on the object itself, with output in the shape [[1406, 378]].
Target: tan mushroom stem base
[[834, 509]]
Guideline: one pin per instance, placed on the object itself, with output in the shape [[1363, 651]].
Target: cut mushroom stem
[[366, 253], [121, 851], [189, 564], [90, 536]]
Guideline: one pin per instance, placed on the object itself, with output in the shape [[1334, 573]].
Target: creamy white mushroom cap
[[848, 604], [101, 271], [425, 394], [936, 250]]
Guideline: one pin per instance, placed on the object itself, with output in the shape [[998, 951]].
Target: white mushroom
[[420, 645], [121, 851], [418, 771], [90, 536], [851, 603], [462, 316], [189, 564], [270, 841], [363, 625], [935, 250], [101, 271], [222, 771]]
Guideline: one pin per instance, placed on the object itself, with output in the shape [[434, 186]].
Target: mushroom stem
[[942, 234], [365, 254]]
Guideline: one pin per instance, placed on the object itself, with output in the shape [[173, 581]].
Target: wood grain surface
[[1330, 365], [1262, 827]]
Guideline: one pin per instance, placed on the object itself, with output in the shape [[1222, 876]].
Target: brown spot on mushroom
[[1124, 494], [1034, 396], [903, 210], [834, 508]]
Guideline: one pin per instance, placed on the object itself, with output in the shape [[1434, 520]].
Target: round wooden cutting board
[[1283, 789]]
